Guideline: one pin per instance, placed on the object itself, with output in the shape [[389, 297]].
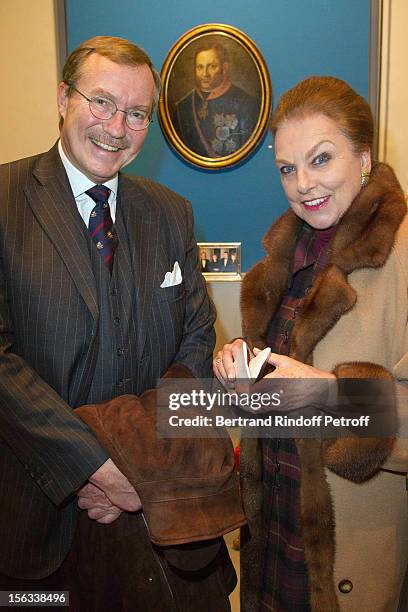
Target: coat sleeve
[[371, 389], [361, 458], [398, 459], [55, 447]]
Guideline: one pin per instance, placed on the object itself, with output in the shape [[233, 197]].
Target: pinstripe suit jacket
[[47, 292]]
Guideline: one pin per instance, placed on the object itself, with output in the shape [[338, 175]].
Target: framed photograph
[[216, 97], [220, 260]]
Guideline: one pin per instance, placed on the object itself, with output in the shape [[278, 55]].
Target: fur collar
[[364, 239]]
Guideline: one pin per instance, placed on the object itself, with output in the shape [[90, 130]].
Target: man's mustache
[[119, 143]]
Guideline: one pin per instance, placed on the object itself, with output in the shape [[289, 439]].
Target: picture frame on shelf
[[220, 260]]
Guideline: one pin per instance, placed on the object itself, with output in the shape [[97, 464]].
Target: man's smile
[[104, 145]]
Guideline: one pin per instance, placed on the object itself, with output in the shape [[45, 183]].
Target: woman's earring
[[365, 177]]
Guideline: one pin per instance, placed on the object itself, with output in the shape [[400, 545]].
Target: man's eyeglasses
[[104, 108]]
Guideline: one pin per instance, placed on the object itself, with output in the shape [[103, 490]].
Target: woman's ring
[[218, 361]]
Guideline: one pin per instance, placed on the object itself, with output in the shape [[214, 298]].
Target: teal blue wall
[[296, 37]]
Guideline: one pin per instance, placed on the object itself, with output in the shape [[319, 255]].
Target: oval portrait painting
[[216, 97]]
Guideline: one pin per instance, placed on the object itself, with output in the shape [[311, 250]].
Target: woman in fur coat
[[327, 521]]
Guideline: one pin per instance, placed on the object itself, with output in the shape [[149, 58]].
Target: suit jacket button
[[345, 586]]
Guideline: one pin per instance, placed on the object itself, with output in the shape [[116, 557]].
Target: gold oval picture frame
[[216, 98]]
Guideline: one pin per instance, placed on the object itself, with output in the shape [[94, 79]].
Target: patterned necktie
[[100, 224]]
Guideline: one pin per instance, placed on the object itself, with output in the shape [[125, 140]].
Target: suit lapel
[[142, 221], [51, 200]]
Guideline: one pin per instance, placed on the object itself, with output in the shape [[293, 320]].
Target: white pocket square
[[171, 279]]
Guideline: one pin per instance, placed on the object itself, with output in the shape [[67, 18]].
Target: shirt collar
[[78, 181]]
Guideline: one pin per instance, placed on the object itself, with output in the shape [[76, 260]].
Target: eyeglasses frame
[[125, 112]]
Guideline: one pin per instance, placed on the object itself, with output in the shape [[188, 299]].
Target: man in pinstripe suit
[[72, 333]]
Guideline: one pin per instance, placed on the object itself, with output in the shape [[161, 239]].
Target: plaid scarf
[[285, 579]]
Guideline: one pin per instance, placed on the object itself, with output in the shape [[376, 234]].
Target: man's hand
[[107, 494], [116, 487], [99, 507]]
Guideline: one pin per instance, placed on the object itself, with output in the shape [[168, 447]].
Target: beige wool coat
[[354, 323]]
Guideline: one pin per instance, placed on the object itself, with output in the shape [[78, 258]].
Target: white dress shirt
[[81, 183]]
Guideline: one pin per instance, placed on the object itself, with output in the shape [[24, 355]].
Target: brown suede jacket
[[188, 486]]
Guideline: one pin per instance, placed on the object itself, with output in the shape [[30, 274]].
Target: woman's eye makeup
[[286, 169], [320, 159]]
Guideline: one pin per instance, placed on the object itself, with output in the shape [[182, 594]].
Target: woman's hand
[[286, 367], [223, 364], [304, 390]]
